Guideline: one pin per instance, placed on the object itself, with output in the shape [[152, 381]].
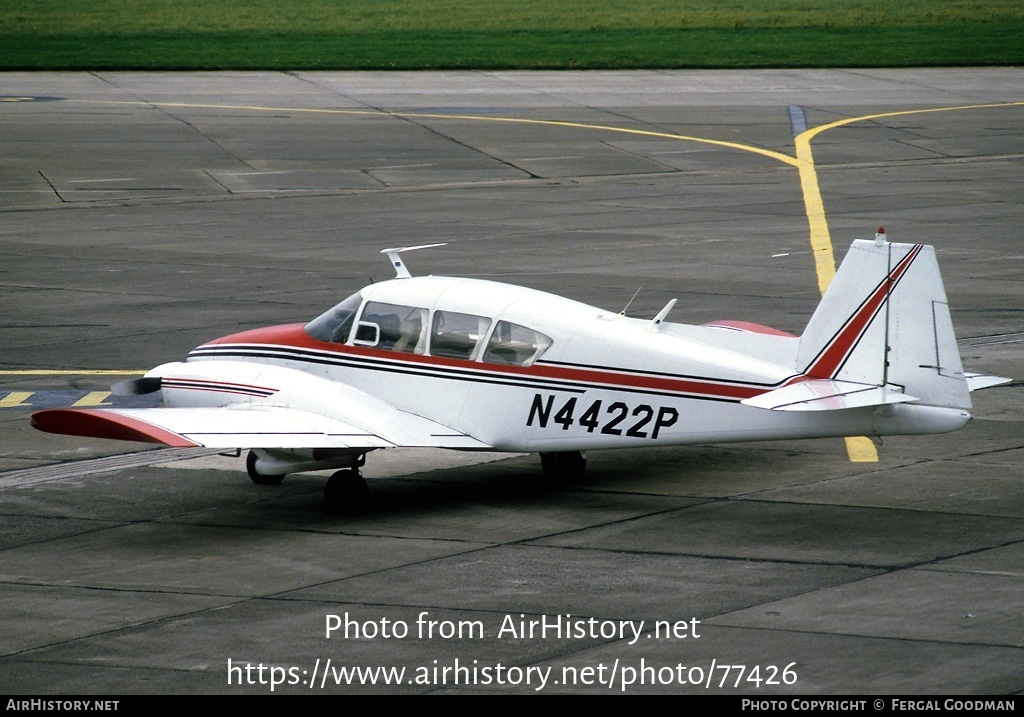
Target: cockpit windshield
[[335, 325]]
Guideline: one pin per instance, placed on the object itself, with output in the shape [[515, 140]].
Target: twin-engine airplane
[[478, 365]]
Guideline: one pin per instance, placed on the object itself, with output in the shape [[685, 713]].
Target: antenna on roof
[[656, 321], [623, 312], [401, 272]]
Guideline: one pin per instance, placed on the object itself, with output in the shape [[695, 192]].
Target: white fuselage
[[604, 381]]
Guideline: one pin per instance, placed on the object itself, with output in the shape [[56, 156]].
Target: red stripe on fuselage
[[293, 336]]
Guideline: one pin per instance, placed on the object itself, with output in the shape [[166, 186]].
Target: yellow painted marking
[[74, 372], [865, 118], [814, 208], [778, 156], [821, 242], [16, 398], [94, 398], [861, 450]]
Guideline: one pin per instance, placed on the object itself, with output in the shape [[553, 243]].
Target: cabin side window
[[455, 335], [515, 345], [335, 325], [392, 327]]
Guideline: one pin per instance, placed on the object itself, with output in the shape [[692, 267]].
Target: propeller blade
[[136, 386]]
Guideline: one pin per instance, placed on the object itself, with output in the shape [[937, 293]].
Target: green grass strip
[[500, 34]]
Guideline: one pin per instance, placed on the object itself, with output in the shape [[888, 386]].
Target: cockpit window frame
[[522, 350], [401, 328], [455, 332]]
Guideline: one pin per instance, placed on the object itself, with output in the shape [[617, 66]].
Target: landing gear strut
[[346, 493], [566, 466], [259, 478]]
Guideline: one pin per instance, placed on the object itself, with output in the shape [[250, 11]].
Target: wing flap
[[827, 395]]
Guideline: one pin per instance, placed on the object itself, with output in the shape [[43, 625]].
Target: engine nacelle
[[279, 462]]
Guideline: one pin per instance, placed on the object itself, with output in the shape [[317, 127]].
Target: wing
[[245, 427], [232, 404]]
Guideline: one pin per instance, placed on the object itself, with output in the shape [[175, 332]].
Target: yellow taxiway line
[[859, 449], [778, 156], [73, 372]]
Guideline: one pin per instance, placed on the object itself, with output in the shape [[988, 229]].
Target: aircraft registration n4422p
[[477, 365]]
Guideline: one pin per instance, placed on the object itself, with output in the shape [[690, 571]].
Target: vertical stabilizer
[[884, 321]]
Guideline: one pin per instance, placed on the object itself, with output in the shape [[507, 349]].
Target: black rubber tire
[[566, 466], [259, 478], [346, 493]]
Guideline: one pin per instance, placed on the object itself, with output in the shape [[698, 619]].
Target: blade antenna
[[656, 321], [401, 272]]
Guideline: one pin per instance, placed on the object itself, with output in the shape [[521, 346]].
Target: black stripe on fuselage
[[665, 374], [263, 351], [387, 367]]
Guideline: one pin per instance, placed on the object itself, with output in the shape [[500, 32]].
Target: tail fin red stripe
[[831, 359]]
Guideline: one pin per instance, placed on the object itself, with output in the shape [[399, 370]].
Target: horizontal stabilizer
[[827, 395], [978, 381]]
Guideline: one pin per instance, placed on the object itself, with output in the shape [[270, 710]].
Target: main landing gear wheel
[[566, 466], [346, 493], [259, 478]]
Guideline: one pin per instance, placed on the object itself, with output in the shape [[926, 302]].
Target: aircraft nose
[[290, 335]]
